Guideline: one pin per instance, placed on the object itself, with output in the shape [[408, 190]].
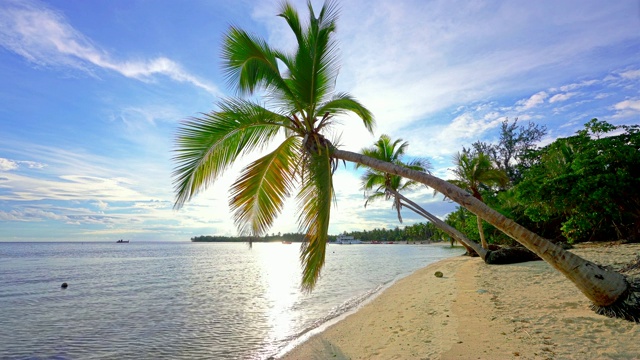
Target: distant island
[[414, 233]]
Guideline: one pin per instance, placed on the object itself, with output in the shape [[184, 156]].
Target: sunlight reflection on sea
[[181, 300]]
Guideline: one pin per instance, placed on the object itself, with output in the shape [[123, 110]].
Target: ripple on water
[[180, 301]]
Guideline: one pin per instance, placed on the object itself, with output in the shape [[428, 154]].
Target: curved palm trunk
[[453, 232], [454, 238], [422, 212], [483, 241], [608, 290]]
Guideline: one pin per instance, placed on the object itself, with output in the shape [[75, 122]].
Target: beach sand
[[479, 311]]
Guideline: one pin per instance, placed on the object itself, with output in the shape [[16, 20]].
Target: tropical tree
[[588, 182], [300, 86], [514, 143], [381, 185], [376, 183], [474, 171]]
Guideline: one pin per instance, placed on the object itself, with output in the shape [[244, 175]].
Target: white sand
[[479, 311]]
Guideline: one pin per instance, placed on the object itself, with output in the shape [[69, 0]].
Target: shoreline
[[375, 294], [517, 311]]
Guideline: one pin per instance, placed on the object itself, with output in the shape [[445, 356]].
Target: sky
[[92, 93]]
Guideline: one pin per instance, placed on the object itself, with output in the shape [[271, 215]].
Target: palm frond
[[249, 63], [315, 69], [314, 202], [419, 164], [399, 148], [377, 195], [257, 197], [371, 179], [290, 14], [208, 145], [383, 184], [342, 103], [475, 170]]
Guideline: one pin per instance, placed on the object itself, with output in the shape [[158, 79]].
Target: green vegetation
[[585, 187], [293, 237], [475, 171], [582, 188], [416, 232]]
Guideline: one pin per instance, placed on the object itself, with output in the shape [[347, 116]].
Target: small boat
[[122, 241], [347, 240], [286, 242]]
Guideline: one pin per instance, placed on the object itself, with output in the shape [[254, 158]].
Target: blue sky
[[92, 92]]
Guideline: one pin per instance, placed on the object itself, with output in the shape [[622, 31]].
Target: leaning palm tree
[[474, 171], [376, 183], [303, 106], [381, 185], [300, 86], [470, 245]]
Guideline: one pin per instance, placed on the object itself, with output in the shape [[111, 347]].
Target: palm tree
[[381, 185], [376, 183], [302, 92], [474, 171], [305, 106], [470, 245]]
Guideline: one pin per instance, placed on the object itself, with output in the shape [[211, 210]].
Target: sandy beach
[[479, 311]]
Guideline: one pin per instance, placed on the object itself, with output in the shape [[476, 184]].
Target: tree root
[[628, 305]]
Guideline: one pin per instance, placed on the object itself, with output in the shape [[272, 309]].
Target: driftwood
[[510, 255]]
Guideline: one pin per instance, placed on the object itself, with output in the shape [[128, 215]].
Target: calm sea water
[[181, 300]]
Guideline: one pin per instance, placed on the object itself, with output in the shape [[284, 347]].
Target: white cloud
[[101, 205], [29, 215], [442, 141], [627, 108], [7, 165], [42, 36], [630, 74], [628, 104], [561, 97], [533, 101], [33, 164], [578, 85], [68, 188]]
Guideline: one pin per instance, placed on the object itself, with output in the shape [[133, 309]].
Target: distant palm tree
[[305, 107], [473, 171], [381, 185], [375, 183]]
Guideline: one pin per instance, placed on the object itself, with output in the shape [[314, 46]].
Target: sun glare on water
[[280, 274]]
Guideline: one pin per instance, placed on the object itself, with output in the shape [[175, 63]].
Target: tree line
[[293, 237]]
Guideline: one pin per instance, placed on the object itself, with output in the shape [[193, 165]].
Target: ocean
[[182, 300]]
